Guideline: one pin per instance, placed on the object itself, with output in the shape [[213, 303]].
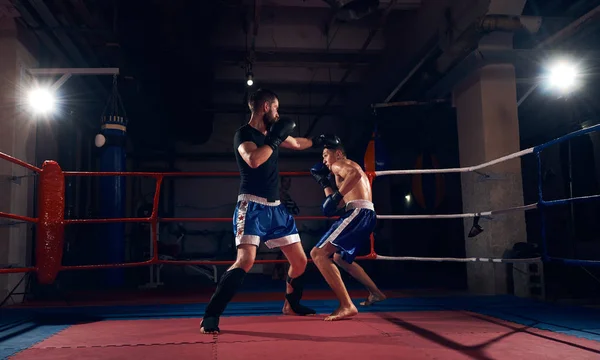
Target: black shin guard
[[228, 286], [294, 297]]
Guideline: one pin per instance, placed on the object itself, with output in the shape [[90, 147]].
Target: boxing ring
[[253, 327]]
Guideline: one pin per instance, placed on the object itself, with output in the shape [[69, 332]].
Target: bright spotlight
[[563, 76], [407, 198], [250, 82], [41, 100]]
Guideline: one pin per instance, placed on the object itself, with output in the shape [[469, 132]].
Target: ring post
[[372, 254], [51, 224], [541, 206]]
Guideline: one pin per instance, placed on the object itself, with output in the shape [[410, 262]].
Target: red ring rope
[[51, 222]]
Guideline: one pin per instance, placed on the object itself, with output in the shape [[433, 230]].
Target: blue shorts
[[257, 220], [352, 230]]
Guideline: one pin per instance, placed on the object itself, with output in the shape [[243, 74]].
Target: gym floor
[[408, 325]]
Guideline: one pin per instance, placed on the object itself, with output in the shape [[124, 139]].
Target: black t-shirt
[[264, 180]]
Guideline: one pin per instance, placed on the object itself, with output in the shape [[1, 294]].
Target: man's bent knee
[[246, 255], [295, 255], [318, 254], [314, 253], [296, 278], [244, 264], [337, 258]]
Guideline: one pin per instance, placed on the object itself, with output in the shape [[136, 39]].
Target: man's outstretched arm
[[297, 143], [301, 143]]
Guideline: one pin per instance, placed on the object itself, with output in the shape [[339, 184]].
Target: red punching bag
[[428, 189]]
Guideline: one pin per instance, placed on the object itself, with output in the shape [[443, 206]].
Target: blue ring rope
[[566, 137], [541, 208], [542, 204]]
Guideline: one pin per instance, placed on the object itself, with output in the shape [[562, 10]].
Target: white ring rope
[[454, 216], [470, 259], [456, 170], [458, 216], [530, 150]]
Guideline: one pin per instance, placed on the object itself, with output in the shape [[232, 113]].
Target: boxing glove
[[331, 178], [331, 202], [326, 140], [320, 173], [279, 131]]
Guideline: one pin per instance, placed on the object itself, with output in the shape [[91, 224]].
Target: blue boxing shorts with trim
[[257, 220], [352, 230]]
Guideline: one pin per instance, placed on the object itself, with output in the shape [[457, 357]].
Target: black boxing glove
[[279, 131], [320, 173], [331, 178], [326, 140], [331, 202]]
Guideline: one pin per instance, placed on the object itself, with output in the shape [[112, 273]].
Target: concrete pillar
[[488, 128], [17, 138]]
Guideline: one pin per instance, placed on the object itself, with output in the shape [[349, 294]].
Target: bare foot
[[337, 311], [342, 313], [373, 298]]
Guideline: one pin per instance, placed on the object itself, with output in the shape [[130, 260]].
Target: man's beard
[[268, 119]]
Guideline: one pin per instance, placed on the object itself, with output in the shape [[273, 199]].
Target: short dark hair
[[339, 147], [259, 97]]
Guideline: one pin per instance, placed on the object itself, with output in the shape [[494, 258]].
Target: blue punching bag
[[112, 192]]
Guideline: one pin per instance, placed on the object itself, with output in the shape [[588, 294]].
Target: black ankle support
[[210, 324], [294, 297], [228, 286], [297, 285]]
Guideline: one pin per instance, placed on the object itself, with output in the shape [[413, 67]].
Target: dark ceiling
[[184, 62]]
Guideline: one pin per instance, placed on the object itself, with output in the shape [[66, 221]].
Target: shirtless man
[[349, 232]]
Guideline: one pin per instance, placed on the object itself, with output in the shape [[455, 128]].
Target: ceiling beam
[[65, 18], [254, 25], [73, 52], [518, 57], [62, 59], [284, 86], [294, 37], [309, 59], [417, 39], [348, 73], [399, 5], [289, 74], [289, 109]]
